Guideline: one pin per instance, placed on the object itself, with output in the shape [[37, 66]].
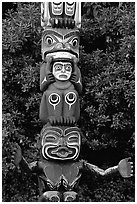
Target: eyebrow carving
[[52, 32], [70, 34]]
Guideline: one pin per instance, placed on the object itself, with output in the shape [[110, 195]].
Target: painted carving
[[60, 77], [61, 83], [54, 175], [60, 43], [61, 14]]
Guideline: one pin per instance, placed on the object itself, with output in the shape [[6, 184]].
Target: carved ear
[[125, 168]]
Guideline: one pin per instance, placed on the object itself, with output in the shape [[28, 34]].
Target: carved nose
[[63, 70], [67, 46], [62, 142], [60, 46]]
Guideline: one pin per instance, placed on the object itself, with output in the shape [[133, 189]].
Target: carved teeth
[[57, 55]]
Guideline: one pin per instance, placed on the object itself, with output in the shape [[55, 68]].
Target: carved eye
[[73, 139], [49, 40], [58, 66], [68, 67], [74, 42], [50, 138]]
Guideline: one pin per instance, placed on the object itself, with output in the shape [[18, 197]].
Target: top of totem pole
[[61, 15]]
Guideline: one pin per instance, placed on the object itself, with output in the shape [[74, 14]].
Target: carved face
[[60, 40], [55, 9], [61, 145], [70, 8], [62, 70], [62, 9]]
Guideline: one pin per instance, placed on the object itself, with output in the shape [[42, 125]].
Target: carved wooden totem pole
[[59, 169]]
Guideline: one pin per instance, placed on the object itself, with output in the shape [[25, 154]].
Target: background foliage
[[107, 58]]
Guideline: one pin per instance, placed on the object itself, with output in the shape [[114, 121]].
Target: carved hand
[[73, 78], [125, 167], [51, 77], [17, 154]]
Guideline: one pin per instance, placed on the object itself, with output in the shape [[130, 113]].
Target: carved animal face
[[60, 40], [55, 9], [59, 10], [61, 144], [62, 9]]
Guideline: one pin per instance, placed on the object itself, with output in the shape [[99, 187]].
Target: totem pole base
[[56, 196]]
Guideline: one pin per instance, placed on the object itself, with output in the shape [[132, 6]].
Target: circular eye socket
[[57, 66], [54, 98], [70, 98], [74, 42], [49, 40], [68, 67]]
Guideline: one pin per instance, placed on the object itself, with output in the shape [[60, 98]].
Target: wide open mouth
[[63, 76], [61, 54]]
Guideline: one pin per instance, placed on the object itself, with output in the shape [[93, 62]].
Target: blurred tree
[[21, 94]]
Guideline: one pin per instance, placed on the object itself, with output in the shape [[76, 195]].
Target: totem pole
[[59, 169]]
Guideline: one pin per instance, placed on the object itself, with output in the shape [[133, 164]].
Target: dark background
[[8, 6]]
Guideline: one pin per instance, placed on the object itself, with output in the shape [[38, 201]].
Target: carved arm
[[19, 160], [124, 167], [100, 171], [46, 76]]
